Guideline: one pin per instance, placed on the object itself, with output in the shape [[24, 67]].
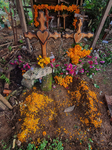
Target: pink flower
[[71, 72], [80, 60], [95, 57], [97, 69], [81, 71], [54, 86], [69, 67], [91, 66], [52, 65], [61, 73], [89, 56], [19, 56], [90, 62], [66, 73], [28, 67], [11, 63], [102, 62], [56, 65]]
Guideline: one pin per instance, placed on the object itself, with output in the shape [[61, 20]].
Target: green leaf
[[21, 41], [95, 85], [90, 140], [10, 48]]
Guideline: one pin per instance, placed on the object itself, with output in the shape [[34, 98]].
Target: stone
[[37, 73], [31, 75], [96, 55], [27, 83], [69, 109], [47, 83]]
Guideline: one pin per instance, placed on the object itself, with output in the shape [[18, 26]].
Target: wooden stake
[[5, 102], [23, 21], [98, 31]]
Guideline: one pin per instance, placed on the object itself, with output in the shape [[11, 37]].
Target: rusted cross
[[78, 35], [42, 34]]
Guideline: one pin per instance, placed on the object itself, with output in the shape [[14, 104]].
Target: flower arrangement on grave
[[73, 8], [24, 66], [77, 52], [91, 67], [42, 62], [63, 74]]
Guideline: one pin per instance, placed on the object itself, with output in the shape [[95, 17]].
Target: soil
[[67, 126]]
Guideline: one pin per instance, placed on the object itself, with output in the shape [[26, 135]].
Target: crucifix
[[48, 18], [42, 34], [78, 35]]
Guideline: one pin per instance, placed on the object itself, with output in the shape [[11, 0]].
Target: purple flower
[[102, 62], [80, 60], [92, 73], [87, 71]]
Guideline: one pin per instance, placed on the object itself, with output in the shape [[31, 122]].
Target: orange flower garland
[[76, 53], [72, 8]]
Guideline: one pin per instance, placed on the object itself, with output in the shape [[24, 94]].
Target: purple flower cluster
[[21, 64]]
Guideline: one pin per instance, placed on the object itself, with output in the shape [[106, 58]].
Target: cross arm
[[55, 35], [30, 35], [68, 35]]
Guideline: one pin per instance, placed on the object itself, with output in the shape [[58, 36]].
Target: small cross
[[78, 35], [64, 17], [48, 18], [42, 34]]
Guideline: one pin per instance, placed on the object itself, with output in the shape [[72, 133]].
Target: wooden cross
[[64, 16], [78, 35], [47, 18], [42, 34]]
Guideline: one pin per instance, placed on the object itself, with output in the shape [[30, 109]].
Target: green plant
[[10, 48], [5, 78], [95, 9]]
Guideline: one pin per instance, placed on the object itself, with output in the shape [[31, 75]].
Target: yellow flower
[[40, 56]]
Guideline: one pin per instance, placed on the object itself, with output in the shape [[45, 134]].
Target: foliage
[[95, 9], [91, 67], [106, 60], [5, 78], [21, 63], [3, 4]]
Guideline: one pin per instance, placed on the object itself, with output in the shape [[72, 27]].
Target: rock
[[27, 83], [47, 83], [69, 109], [35, 73], [96, 55]]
